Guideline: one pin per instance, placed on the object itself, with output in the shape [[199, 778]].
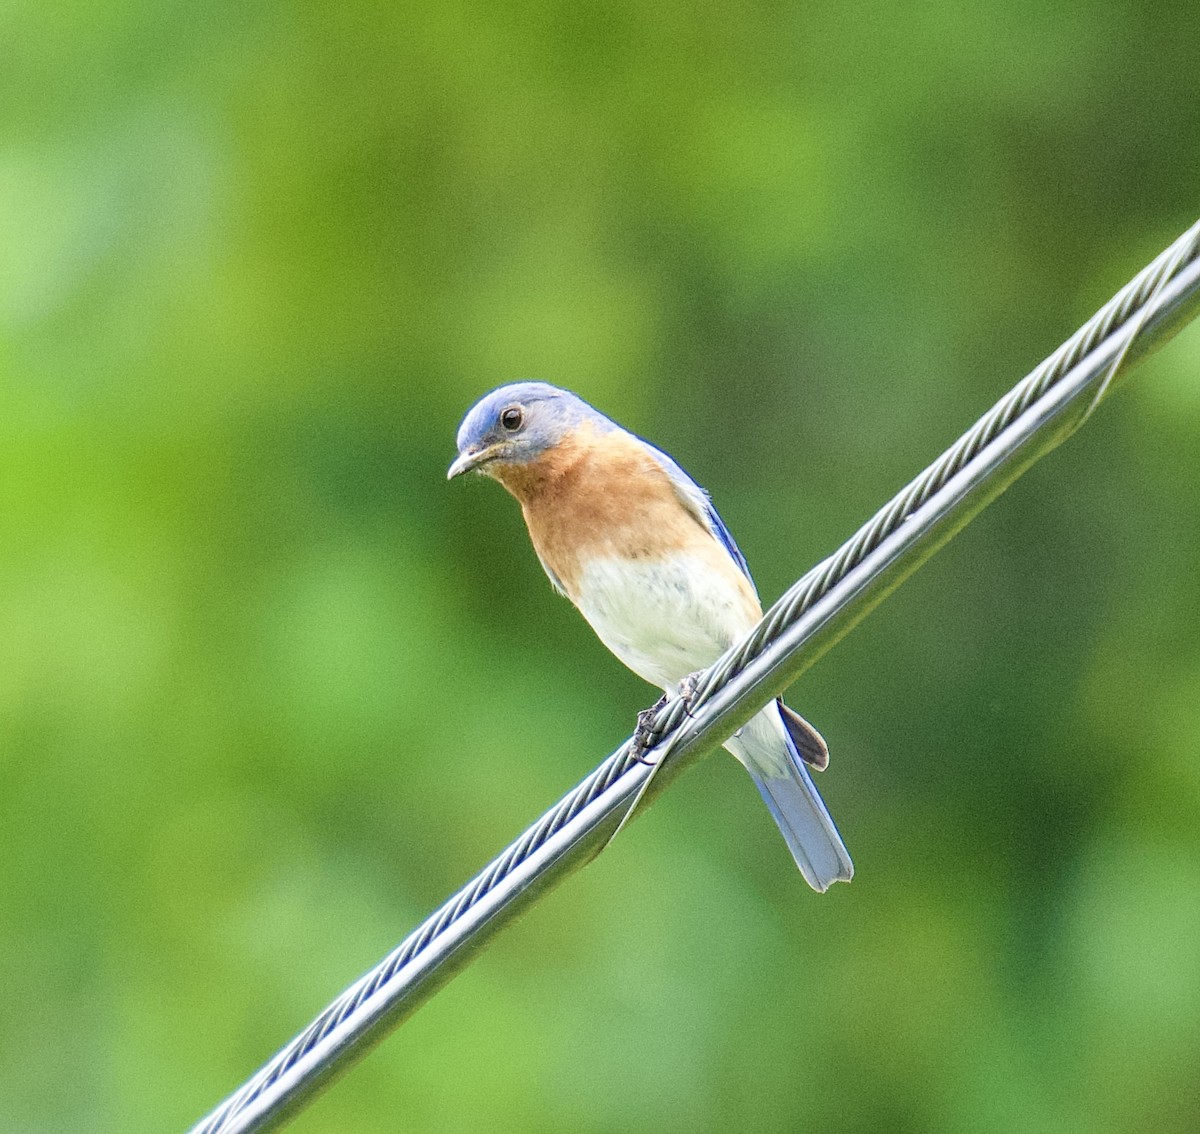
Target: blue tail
[[770, 756]]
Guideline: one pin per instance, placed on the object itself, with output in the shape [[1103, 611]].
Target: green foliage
[[270, 688]]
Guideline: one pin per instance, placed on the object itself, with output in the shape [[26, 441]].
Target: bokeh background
[[270, 688]]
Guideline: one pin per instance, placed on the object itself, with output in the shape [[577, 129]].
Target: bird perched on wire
[[637, 546]]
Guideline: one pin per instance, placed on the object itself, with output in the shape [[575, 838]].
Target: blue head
[[518, 423]]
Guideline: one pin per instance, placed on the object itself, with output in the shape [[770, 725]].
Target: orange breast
[[601, 494]]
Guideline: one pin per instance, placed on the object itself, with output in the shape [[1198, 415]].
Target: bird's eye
[[512, 418]]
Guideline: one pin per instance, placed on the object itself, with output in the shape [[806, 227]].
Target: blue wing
[[698, 503]]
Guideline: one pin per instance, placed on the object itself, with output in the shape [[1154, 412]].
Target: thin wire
[[1139, 317]]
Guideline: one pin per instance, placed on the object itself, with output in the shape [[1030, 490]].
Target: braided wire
[[1129, 307], [1126, 312], [350, 1001]]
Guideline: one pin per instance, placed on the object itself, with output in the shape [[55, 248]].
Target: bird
[[636, 544]]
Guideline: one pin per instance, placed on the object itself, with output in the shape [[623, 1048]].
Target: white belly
[[664, 619]]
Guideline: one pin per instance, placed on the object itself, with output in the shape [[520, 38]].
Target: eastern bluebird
[[637, 546]]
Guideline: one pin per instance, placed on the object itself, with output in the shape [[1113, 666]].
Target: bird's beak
[[472, 459]]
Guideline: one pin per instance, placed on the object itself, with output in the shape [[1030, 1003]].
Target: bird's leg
[[645, 723], [687, 690], [642, 737], [645, 719]]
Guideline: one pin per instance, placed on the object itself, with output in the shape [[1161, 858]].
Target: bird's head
[[517, 423]]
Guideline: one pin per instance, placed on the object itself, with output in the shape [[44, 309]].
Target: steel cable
[[1035, 416]]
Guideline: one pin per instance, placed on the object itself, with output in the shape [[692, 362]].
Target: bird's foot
[[643, 734], [687, 690]]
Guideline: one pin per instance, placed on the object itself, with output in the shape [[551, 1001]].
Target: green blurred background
[[270, 688]]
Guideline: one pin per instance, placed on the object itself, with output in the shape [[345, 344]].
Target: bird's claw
[[643, 735], [687, 690]]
